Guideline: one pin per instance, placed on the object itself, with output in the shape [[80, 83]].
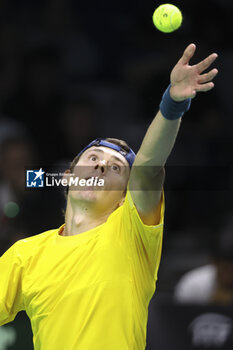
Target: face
[[109, 166]]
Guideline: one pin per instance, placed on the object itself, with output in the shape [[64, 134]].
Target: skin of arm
[[148, 169]]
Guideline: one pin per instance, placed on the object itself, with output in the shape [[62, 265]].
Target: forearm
[[158, 141], [147, 171], [186, 81]]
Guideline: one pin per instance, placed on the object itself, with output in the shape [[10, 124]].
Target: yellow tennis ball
[[167, 18]]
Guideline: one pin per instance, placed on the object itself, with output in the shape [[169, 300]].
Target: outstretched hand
[[187, 80]]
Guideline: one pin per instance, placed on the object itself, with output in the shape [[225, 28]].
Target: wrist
[[172, 109]]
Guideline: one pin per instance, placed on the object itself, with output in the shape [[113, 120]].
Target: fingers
[[205, 78], [205, 87], [188, 54], [201, 66], [204, 81]]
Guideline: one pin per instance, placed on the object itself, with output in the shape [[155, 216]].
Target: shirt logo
[[35, 178]]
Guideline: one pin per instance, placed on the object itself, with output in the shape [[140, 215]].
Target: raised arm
[[147, 171]]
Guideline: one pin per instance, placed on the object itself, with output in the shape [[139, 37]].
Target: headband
[[129, 156]]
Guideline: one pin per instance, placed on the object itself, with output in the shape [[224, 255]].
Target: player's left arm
[[148, 168]]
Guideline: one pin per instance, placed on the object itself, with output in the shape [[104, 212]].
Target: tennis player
[[87, 284]]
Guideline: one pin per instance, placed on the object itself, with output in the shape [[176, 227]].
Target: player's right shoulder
[[38, 237], [27, 245]]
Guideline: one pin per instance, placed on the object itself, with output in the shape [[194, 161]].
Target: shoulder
[[24, 247], [133, 210], [38, 237]]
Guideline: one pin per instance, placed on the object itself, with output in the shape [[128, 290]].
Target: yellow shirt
[[88, 291]]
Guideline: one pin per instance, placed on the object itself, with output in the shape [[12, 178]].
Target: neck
[[82, 217]]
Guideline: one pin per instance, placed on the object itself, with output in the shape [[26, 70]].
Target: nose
[[102, 165]]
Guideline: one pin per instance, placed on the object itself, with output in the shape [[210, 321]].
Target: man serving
[[87, 285]]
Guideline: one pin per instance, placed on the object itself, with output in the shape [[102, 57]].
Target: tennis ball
[[167, 18]]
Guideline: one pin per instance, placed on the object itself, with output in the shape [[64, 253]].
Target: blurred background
[[72, 71]]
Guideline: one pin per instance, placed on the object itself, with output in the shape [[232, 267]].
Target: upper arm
[[11, 301], [146, 192]]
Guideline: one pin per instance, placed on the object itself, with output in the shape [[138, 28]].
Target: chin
[[88, 195]]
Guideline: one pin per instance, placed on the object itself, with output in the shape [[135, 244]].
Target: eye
[[93, 158], [115, 168]]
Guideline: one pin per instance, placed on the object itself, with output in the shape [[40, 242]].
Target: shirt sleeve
[[143, 241], [11, 299]]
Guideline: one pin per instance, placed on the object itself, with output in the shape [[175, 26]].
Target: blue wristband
[[171, 109]]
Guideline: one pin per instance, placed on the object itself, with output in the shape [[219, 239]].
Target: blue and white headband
[[129, 156]]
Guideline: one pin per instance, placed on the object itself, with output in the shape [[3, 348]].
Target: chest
[[58, 270]]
